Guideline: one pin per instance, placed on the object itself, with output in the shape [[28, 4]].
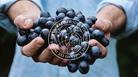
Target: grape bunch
[[71, 29]]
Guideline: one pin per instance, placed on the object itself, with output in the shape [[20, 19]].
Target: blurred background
[[127, 50]]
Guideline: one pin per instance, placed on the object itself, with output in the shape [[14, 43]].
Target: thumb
[[103, 24], [23, 22]]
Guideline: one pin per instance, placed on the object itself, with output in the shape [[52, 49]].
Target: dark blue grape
[[84, 57], [44, 34], [72, 67], [54, 39], [23, 32], [77, 41], [37, 30], [22, 40], [89, 22], [105, 42], [76, 18], [76, 48], [70, 28], [81, 17], [42, 21], [79, 12], [45, 14], [86, 35], [97, 34], [74, 40], [76, 29], [51, 19], [90, 59], [66, 18], [84, 45], [36, 23], [63, 23], [49, 24], [71, 14], [79, 24], [84, 26], [91, 30], [95, 51], [63, 33], [60, 16], [31, 36], [70, 10], [31, 31], [93, 19], [83, 67], [61, 10]]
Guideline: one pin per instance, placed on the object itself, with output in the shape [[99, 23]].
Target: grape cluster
[[76, 33]]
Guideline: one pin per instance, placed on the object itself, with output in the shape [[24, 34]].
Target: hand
[[111, 19], [105, 26], [23, 13], [35, 48]]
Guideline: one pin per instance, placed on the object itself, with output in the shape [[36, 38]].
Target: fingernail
[[28, 23]]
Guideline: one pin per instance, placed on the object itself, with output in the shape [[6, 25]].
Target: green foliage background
[[127, 50]]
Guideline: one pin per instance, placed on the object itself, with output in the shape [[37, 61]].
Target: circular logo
[[72, 38]]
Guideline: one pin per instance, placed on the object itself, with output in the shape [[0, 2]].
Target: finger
[[107, 35], [35, 58], [55, 61], [47, 55], [39, 51], [91, 60], [31, 48], [104, 25], [103, 50], [59, 61], [23, 22], [64, 63]]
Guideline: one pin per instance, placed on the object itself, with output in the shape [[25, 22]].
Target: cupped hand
[[105, 26], [36, 49]]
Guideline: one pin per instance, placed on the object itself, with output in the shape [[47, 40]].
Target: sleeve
[[4, 20], [129, 7], [39, 3]]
